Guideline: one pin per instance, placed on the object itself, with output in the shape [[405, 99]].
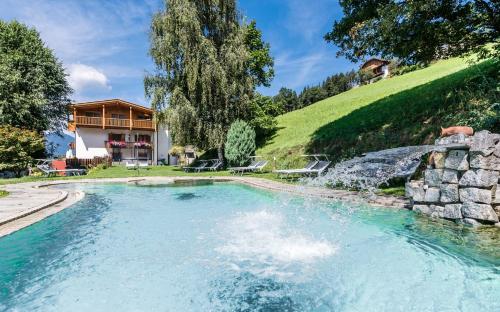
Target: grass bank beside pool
[[400, 111], [122, 172], [3, 193]]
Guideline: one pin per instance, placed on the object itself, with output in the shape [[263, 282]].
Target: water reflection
[[247, 292], [50, 243], [185, 196]]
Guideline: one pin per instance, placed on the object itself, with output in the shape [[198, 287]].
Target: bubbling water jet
[[374, 169]]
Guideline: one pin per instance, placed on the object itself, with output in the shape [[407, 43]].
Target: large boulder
[[449, 193], [497, 150], [459, 138], [433, 177], [452, 211], [415, 190], [425, 209], [472, 222], [479, 211], [496, 199], [432, 195], [479, 161], [483, 142], [450, 176], [439, 159], [479, 178], [476, 195], [497, 209], [457, 160]]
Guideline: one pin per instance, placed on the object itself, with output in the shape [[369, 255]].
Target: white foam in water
[[261, 236]]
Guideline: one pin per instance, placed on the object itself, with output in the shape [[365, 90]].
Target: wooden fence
[[87, 163]]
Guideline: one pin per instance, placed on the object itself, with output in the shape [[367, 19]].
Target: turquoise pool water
[[227, 247]]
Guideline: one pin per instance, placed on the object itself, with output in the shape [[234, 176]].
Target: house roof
[[374, 63], [112, 102]]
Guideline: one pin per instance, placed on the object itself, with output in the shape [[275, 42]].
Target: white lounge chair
[[130, 165], [212, 165], [203, 164], [253, 167], [45, 165], [314, 167], [144, 165]]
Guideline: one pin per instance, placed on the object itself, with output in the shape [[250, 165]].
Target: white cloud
[[84, 31], [299, 70], [83, 78], [308, 20]]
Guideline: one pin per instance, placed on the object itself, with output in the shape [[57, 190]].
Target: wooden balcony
[[112, 123], [127, 144]]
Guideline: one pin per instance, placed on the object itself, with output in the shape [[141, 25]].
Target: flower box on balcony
[[120, 144], [142, 144]]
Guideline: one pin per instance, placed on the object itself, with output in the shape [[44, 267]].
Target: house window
[[116, 137], [118, 116], [116, 154], [143, 138], [142, 153], [143, 117], [92, 114]]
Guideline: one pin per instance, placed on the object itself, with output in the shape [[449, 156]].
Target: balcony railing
[[88, 121], [114, 122], [127, 144], [146, 124]]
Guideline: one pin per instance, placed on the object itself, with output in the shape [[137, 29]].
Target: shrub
[[176, 150], [240, 144], [18, 147], [98, 168]]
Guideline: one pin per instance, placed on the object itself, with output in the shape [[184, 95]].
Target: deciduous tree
[[205, 75], [416, 31], [261, 62], [34, 92], [18, 147], [287, 98]]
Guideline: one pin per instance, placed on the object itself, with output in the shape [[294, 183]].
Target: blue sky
[[103, 44]]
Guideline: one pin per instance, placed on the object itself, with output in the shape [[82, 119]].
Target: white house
[[379, 68], [119, 129]]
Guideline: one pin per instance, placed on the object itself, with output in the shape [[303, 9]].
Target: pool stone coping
[[30, 202]]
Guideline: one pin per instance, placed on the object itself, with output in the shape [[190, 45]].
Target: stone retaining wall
[[462, 182]]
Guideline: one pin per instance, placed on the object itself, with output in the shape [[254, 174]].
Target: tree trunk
[[220, 154]]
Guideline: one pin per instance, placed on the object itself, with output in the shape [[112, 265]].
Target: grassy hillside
[[403, 110]]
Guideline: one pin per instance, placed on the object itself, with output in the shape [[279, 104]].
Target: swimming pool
[[229, 247]]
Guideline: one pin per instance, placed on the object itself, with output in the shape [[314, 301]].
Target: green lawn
[[402, 110], [122, 172]]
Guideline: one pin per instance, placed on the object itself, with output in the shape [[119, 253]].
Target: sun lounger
[[239, 169], [46, 167], [309, 166], [143, 165], [314, 167], [203, 164], [253, 167], [130, 165], [212, 165], [318, 169]]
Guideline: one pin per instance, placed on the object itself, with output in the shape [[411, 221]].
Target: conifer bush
[[240, 144]]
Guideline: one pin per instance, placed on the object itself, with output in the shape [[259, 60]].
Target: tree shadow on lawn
[[267, 139], [410, 117]]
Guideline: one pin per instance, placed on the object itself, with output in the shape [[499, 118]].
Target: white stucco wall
[[162, 143], [90, 142]]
